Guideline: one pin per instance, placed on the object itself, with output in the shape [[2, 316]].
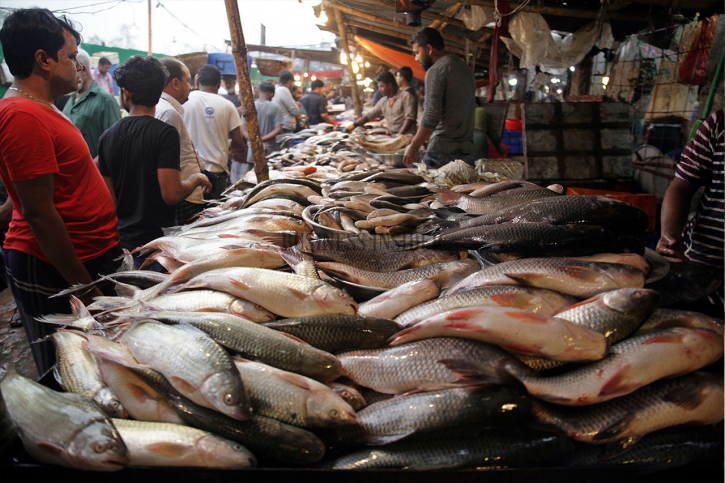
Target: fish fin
[[514, 300], [463, 314], [666, 339], [615, 428], [131, 289], [56, 375], [51, 449], [383, 440], [688, 398], [619, 448], [75, 288], [463, 327], [528, 317], [447, 197], [526, 279], [403, 336], [140, 393], [78, 309], [614, 386], [298, 294], [239, 284], [110, 351], [295, 379], [182, 385], [584, 274], [150, 307], [466, 372], [169, 450], [294, 338]]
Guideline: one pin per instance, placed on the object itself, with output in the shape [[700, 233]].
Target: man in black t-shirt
[[138, 157], [315, 104]]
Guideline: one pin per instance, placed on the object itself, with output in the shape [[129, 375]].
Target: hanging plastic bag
[[531, 32], [695, 66], [475, 17]]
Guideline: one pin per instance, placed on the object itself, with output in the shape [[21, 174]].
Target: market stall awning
[[392, 57]]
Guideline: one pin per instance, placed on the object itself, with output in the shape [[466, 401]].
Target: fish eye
[[99, 447], [238, 447], [334, 413], [114, 404], [342, 295], [229, 399], [258, 307]]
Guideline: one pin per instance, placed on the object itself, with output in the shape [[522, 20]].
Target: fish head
[[225, 393], [636, 303], [334, 300], [218, 452], [248, 310], [293, 224], [327, 409], [98, 447], [109, 403]]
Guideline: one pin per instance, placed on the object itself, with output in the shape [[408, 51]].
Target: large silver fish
[[393, 302], [429, 364], [62, 428], [630, 365], [664, 318]]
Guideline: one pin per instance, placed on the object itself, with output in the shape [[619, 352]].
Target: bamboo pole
[[346, 49], [239, 51], [150, 52]]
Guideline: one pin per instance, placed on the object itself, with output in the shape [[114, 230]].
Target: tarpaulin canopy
[[392, 57]]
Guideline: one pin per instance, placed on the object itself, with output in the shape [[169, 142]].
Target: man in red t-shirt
[[63, 228]]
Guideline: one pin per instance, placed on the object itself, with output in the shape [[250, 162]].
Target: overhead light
[[605, 80], [358, 77], [554, 80], [314, 77], [513, 81], [343, 58], [604, 87], [297, 77], [572, 68], [559, 91], [355, 67], [298, 83], [306, 74], [322, 20], [358, 59], [367, 64]]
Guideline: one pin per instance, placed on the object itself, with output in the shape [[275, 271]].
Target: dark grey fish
[[397, 418], [500, 449], [489, 204], [335, 333]]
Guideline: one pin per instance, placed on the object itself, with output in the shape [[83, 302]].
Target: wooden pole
[[239, 52], [150, 52], [346, 49]]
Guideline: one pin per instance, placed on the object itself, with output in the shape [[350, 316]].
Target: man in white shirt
[[286, 103], [170, 111], [212, 121]]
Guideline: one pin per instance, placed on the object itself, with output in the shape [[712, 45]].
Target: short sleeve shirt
[[36, 141], [315, 106], [269, 117], [130, 153]]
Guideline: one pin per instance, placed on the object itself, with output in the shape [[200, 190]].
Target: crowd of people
[[83, 184]]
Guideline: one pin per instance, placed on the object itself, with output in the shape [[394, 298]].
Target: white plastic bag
[[477, 17], [532, 34]]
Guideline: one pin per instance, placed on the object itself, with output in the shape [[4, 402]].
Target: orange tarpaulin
[[392, 57]]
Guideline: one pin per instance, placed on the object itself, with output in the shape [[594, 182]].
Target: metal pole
[[239, 52], [150, 52], [346, 49]]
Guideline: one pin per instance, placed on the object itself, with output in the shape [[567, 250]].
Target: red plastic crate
[[514, 125], [644, 201]]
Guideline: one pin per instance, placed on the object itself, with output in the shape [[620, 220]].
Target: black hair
[[104, 61], [144, 77], [267, 87], [28, 30], [175, 68], [285, 76], [387, 78], [209, 75], [406, 73], [428, 36], [316, 83]]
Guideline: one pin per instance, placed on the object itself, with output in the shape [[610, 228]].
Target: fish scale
[[429, 364]]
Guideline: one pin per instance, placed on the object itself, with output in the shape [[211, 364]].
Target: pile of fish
[[376, 320]]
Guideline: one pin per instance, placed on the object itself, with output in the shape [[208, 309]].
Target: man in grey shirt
[[270, 121], [286, 103], [449, 103]]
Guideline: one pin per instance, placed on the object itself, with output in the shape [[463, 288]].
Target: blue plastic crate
[[515, 140]]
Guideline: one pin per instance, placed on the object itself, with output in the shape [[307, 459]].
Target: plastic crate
[[644, 201], [515, 140], [514, 125]]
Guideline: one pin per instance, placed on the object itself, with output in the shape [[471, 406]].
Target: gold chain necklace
[[49, 104]]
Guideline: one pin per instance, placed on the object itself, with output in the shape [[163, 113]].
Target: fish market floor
[[14, 348]]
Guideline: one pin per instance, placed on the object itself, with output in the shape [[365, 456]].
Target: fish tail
[[446, 196]]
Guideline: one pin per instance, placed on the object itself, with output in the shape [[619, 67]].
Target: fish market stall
[[346, 315]]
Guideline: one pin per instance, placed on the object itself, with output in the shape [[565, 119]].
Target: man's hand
[[411, 155], [204, 182], [672, 248]]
